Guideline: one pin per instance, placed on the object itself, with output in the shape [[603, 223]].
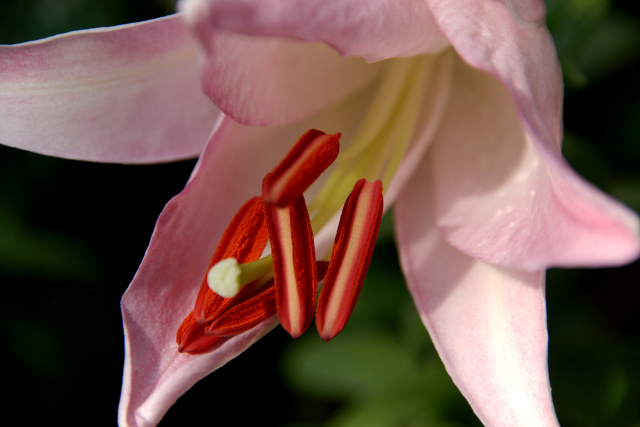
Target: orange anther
[[350, 258]]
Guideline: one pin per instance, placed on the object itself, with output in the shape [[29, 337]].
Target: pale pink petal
[[127, 94], [507, 201], [523, 57], [488, 324], [527, 12], [257, 70], [371, 29], [434, 106], [272, 81], [163, 291], [229, 172]]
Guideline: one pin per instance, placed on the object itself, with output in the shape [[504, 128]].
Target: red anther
[[308, 158], [253, 304], [192, 340], [294, 265], [244, 239], [350, 258]]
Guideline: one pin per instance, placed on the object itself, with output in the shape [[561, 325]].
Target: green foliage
[[593, 38]]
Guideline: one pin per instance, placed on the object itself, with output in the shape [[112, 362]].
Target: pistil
[[227, 276]]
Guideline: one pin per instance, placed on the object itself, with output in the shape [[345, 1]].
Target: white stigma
[[224, 278]]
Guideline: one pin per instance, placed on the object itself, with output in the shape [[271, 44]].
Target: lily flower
[[454, 106]]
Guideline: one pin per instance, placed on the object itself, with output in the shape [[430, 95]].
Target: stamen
[[308, 158], [253, 304], [244, 239], [227, 276], [350, 258], [294, 268], [192, 340], [250, 310]]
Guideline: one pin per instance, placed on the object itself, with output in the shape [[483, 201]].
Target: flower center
[[241, 289]]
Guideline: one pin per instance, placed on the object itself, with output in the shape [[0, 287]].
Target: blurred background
[[72, 235]]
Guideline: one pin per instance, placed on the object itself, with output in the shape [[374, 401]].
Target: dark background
[[72, 235]]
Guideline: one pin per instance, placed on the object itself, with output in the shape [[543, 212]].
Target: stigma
[[241, 288]]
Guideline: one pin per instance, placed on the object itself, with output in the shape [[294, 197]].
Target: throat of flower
[[383, 137]]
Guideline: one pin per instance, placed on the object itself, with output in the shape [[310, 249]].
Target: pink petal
[[125, 94], [229, 172], [488, 324], [573, 223], [527, 12], [272, 81], [523, 57], [435, 101], [165, 286], [372, 29], [508, 201]]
